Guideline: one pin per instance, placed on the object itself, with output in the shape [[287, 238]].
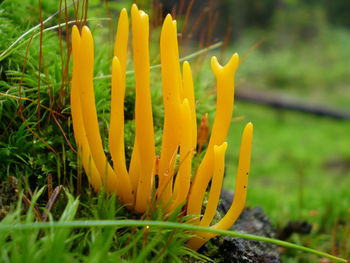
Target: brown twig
[[286, 102], [52, 201], [37, 214], [49, 186], [40, 62]]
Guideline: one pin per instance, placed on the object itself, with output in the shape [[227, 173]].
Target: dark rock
[[300, 227], [238, 250]]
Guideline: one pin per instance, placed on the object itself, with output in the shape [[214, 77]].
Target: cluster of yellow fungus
[[135, 184]]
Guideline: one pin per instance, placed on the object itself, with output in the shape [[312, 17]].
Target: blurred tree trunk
[[238, 18]]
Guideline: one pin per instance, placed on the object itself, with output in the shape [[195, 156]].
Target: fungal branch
[[143, 110], [134, 184], [240, 193], [223, 116]]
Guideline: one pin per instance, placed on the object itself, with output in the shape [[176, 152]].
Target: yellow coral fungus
[[135, 185]]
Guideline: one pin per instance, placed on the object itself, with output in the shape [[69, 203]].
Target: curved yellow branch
[[77, 118], [143, 109], [215, 189], [188, 92], [224, 109], [240, 193], [116, 132], [121, 41], [89, 114], [182, 182], [171, 97], [116, 129]]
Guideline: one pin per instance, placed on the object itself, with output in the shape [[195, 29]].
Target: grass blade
[[161, 224]]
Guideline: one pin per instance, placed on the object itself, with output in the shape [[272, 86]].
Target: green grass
[[113, 243], [109, 239]]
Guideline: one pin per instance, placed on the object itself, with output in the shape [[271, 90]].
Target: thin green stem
[[31, 30], [160, 224], [13, 46], [189, 57]]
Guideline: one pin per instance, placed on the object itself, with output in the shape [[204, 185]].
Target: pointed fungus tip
[[86, 35], [168, 16], [234, 61], [249, 126], [186, 68], [222, 146], [214, 60], [123, 13], [134, 10], [168, 19], [215, 65], [85, 30], [235, 56], [166, 28], [143, 15], [231, 65], [75, 31], [134, 6]]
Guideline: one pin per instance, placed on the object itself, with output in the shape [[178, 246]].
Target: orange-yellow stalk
[[84, 75], [77, 116], [224, 109], [134, 171], [171, 81], [215, 189], [188, 92], [121, 51], [116, 132], [84, 72], [116, 129], [183, 178], [143, 109], [121, 41], [240, 193]]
